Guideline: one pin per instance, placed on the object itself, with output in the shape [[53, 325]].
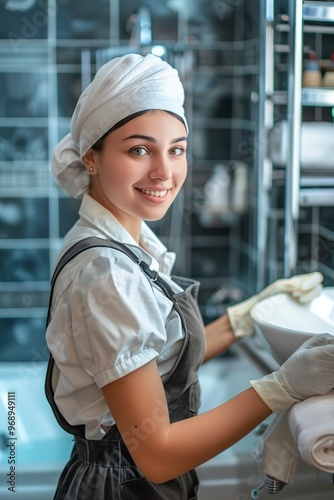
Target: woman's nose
[[161, 168]]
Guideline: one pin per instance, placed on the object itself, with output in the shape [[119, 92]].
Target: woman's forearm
[[163, 449], [192, 442], [219, 337]]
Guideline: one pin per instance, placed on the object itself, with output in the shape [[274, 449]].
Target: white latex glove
[[309, 371], [304, 287]]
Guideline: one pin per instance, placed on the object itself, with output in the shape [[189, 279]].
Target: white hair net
[[123, 86]]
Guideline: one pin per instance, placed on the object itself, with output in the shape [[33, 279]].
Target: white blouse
[[107, 318]]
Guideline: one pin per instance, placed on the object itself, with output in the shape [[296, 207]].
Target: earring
[[91, 169]]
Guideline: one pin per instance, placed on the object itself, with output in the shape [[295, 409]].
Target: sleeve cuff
[[125, 367], [272, 393]]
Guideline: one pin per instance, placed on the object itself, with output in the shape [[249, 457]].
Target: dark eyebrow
[[179, 139], [149, 138]]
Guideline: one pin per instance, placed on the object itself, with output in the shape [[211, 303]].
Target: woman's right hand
[[309, 371]]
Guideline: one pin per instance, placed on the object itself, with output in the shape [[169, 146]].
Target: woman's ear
[[90, 161]]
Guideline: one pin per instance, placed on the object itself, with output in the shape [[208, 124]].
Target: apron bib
[[103, 469]]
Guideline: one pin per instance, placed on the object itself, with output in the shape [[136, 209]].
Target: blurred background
[[236, 226]]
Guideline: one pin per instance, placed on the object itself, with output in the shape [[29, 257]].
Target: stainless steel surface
[[266, 87], [293, 137]]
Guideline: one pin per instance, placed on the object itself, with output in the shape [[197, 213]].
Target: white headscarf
[[123, 86]]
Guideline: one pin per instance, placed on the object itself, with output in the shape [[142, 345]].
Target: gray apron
[[103, 469]]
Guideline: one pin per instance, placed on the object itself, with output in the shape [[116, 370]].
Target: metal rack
[[299, 13], [300, 190]]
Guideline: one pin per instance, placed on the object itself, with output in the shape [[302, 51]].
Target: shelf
[[316, 197], [318, 97], [318, 11], [312, 12], [325, 180], [308, 28], [322, 97]]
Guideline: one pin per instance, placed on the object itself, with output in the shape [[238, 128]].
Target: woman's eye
[[138, 151], [177, 151]]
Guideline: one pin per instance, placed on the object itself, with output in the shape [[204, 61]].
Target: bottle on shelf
[[328, 78], [312, 75]]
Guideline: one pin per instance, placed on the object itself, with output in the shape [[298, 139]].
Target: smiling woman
[[126, 338]]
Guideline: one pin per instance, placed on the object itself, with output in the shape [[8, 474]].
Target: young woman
[[126, 338]]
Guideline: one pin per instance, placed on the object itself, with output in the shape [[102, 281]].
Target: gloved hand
[[309, 371], [304, 287]]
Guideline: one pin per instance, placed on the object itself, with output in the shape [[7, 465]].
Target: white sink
[[283, 324]]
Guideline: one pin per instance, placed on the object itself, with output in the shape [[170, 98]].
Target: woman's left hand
[[304, 287]]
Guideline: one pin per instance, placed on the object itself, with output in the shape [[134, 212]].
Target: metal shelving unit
[[299, 13], [302, 189]]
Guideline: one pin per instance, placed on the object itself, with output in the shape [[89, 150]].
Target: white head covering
[[123, 86]]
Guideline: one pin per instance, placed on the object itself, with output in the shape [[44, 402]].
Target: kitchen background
[[228, 224], [232, 226]]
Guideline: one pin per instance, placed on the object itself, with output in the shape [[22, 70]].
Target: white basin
[[283, 324]]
